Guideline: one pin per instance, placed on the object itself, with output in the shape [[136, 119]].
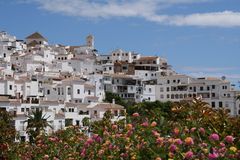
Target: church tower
[[90, 41]]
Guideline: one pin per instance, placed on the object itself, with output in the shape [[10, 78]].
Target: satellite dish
[[223, 78]]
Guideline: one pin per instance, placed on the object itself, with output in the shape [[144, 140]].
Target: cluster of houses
[[69, 82]]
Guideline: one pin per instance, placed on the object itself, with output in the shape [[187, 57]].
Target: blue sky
[[198, 37]]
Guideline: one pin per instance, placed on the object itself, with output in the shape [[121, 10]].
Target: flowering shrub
[[140, 137]]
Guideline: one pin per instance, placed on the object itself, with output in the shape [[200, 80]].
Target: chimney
[[113, 101]]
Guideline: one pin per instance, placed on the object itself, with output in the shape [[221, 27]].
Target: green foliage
[[7, 132], [156, 130], [37, 122], [109, 96]]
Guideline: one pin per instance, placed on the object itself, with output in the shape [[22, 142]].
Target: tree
[[7, 132], [36, 123], [109, 96], [86, 121]]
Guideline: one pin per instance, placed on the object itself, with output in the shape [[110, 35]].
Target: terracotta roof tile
[[36, 35]]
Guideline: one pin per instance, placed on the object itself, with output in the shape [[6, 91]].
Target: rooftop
[[36, 35]]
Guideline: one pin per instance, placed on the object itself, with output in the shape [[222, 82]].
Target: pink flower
[[176, 131], [155, 133], [178, 141], [114, 127], [83, 153], [159, 140], [188, 155], [214, 137], [212, 156], [46, 156], [229, 139], [144, 124], [203, 144], [135, 114], [153, 124], [193, 129], [172, 148], [88, 142], [202, 130], [222, 144]]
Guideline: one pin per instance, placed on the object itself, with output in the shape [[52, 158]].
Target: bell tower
[[90, 41]]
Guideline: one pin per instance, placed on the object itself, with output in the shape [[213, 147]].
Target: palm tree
[[36, 123]]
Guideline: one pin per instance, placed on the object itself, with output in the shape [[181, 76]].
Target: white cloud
[[220, 19], [147, 9]]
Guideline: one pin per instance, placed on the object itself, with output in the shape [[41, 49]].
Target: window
[[220, 104], [213, 104], [69, 91], [224, 87], [77, 122], [146, 74], [115, 113], [201, 88], [95, 112], [213, 94], [76, 101], [213, 86], [22, 109], [48, 91], [78, 91], [168, 96], [27, 109], [162, 96], [168, 81], [71, 109], [59, 91], [167, 89], [4, 55], [10, 87], [208, 88], [110, 68], [161, 89], [174, 81], [150, 90], [89, 92]]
